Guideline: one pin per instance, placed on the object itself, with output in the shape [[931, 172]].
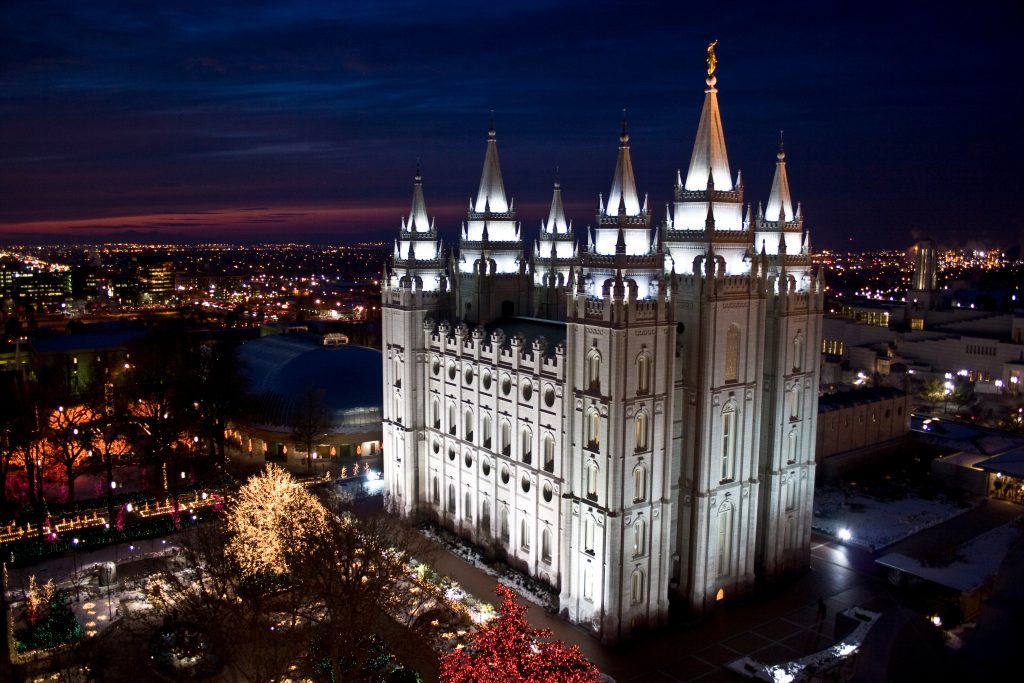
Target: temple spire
[[623, 196], [780, 204], [491, 195], [556, 222], [418, 219], [709, 155]]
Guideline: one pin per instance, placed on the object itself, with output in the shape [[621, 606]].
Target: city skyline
[[305, 122]]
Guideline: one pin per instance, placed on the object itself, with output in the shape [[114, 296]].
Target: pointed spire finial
[[624, 135], [709, 221], [419, 173], [782, 148], [490, 129]]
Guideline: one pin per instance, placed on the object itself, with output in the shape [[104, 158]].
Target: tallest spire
[[491, 195], [709, 155]]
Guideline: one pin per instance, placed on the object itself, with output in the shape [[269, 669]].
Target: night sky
[[303, 120]]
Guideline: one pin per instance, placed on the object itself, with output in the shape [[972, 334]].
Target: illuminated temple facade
[[627, 414]]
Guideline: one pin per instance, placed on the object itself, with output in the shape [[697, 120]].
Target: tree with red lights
[[509, 650]]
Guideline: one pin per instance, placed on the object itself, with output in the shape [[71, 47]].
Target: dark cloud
[[896, 120]]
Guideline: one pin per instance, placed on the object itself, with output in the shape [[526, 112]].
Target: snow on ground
[[509, 577], [972, 562], [875, 524]]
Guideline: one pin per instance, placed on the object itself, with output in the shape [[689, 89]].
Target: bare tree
[[310, 420]]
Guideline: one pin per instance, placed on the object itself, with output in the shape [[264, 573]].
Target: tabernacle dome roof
[[281, 368]]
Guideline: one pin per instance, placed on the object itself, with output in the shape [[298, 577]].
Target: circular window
[[504, 474], [548, 492], [451, 453], [485, 466], [527, 389], [467, 374], [525, 483], [435, 365], [452, 371], [549, 395], [485, 379], [506, 385], [437, 446], [469, 459]]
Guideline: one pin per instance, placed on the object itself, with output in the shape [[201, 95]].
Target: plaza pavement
[[777, 625]]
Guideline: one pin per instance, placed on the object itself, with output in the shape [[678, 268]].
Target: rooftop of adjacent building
[[283, 367], [847, 399], [92, 338]]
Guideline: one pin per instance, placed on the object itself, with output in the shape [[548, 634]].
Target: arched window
[[588, 583], [639, 537], [545, 545], [588, 533], [452, 418], [503, 524], [593, 426], [524, 534], [435, 412], [791, 446], [485, 515], [487, 431], [639, 483], [451, 498], [467, 425], [593, 378], [398, 372], [790, 538], [468, 508], [791, 492], [640, 429], [724, 539], [549, 452], [436, 497], [506, 437], [398, 408], [590, 473], [526, 445], [794, 403], [732, 353], [728, 441], [643, 374], [636, 586], [798, 353]]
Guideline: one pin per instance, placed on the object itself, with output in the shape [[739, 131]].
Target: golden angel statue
[[712, 60]]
